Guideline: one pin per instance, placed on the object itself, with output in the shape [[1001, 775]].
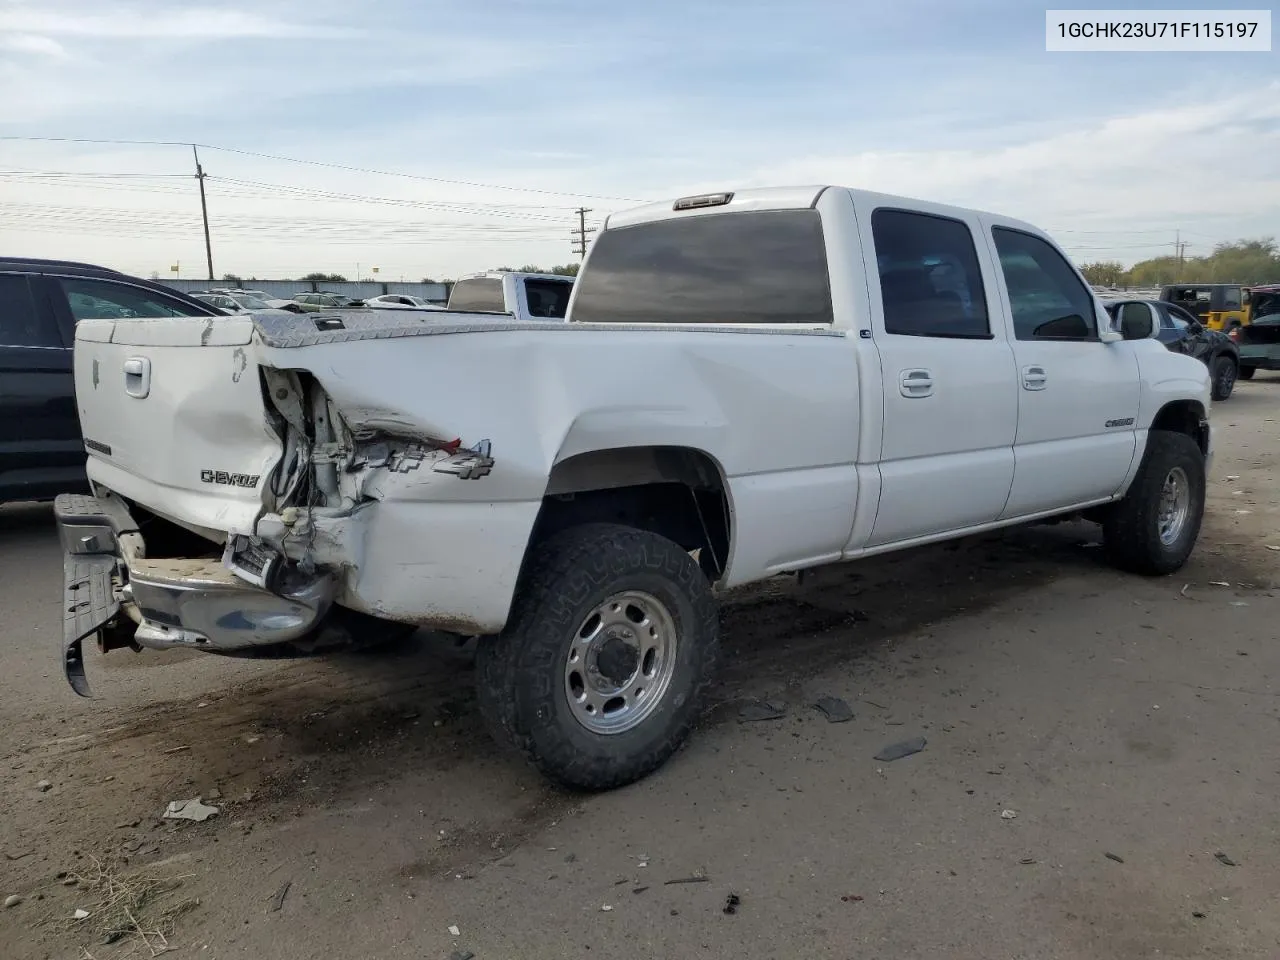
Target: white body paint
[[822, 455]]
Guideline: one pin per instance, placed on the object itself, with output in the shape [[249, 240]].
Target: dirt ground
[[1094, 742]]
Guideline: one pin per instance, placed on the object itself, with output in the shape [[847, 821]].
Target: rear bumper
[[111, 591]]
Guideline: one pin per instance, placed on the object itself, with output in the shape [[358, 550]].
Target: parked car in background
[[276, 303], [400, 301], [526, 296], [41, 450], [260, 294], [1219, 306], [233, 303], [1259, 340], [1181, 332], [315, 302]]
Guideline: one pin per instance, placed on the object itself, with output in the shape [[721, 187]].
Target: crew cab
[[525, 296], [748, 384]]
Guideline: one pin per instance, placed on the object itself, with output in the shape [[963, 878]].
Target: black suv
[[41, 452]]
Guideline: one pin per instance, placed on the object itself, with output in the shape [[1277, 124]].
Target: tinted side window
[[1049, 301], [478, 295], [767, 266], [20, 324], [548, 298], [105, 300], [930, 281], [1178, 315], [1231, 298]]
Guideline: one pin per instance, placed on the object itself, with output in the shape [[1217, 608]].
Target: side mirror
[[1136, 322]]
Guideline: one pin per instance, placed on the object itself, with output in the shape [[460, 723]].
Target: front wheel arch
[[1187, 417]]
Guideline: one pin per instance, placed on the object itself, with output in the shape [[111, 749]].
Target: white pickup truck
[[749, 384], [525, 296]]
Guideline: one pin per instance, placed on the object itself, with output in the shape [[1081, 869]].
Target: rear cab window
[[547, 298], [477, 295], [759, 266]]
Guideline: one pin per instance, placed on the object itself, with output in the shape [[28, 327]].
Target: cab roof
[[783, 198]]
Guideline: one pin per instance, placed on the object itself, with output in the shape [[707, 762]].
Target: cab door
[[1077, 395], [949, 381]]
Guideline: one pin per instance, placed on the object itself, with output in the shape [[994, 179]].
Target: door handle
[[1034, 378], [137, 377], [915, 383]]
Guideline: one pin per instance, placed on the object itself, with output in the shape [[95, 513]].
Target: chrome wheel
[[620, 662], [1175, 506]]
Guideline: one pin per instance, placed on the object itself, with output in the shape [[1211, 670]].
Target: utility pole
[[1182, 248], [204, 210], [580, 235]]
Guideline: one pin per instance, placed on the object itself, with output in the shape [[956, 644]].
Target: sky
[[431, 138]]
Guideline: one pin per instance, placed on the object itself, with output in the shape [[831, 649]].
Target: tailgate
[[173, 418]]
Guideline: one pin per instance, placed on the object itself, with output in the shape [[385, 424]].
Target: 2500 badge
[[223, 478]]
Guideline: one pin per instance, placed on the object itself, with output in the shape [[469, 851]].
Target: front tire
[[1153, 530], [1223, 373], [603, 669]]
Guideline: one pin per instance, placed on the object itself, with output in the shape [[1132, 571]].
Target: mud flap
[[89, 603]]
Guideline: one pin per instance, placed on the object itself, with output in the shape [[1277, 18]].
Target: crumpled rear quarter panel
[[761, 402]]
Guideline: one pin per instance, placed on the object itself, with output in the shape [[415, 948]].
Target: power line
[[317, 163], [161, 232], [57, 174]]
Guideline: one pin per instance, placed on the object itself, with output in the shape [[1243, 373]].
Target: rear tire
[[1246, 373], [1223, 373], [604, 666], [1153, 530]]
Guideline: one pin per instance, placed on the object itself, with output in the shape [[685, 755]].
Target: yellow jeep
[[1220, 306]]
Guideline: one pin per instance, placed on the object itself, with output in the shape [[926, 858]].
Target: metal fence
[[287, 289]]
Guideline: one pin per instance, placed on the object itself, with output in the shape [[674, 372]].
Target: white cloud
[[33, 44], [1210, 164], [496, 93], [197, 23]]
